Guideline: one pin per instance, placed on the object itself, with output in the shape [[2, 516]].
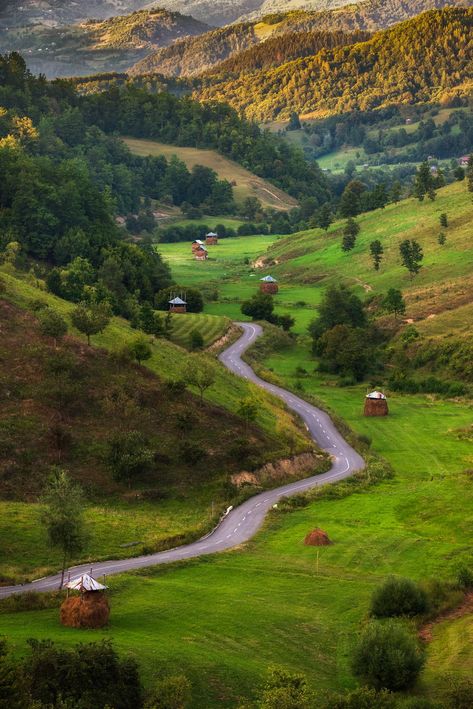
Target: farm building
[[177, 305], [211, 239], [201, 253], [376, 404], [196, 245], [268, 284]]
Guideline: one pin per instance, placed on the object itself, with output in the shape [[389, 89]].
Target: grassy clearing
[[226, 272], [211, 327], [247, 184]]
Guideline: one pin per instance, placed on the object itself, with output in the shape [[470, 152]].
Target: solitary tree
[[91, 319], [62, 516], [140, 349], [52, 325], [424, 183], [350, 232], [129, 455], [150, 321], [200, 373], [377, 251], [394, 302], [248, 411], [411, 256], [196, 340], [259, 307], [443, 219], [469, 174]]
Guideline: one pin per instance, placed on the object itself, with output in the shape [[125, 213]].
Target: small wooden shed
[[376, 404], [268, 284]]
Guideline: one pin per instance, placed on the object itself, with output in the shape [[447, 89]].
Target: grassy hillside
[[247, 184], [98, 46], [52, 418], [385, 67]]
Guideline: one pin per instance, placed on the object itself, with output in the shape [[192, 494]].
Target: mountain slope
[[99, 46], [363, 76], [193, 56]]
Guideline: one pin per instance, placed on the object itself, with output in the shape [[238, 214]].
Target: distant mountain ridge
[[193, 56], [383, 70], [99, 46]]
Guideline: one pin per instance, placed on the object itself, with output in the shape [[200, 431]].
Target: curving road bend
[[241, 523]]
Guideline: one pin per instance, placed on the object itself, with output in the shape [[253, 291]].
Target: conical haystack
[[376, 404], [317, 538], [89, 610]]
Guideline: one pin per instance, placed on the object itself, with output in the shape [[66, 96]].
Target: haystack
[[317, 538], [268, 284], [89, 610], [376, 404]]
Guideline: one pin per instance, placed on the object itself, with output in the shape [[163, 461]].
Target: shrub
[[465, 577], [458, 693], [388, 657], [361, 698], [170, 693], [196, 340], [396, 597], [129, 456]]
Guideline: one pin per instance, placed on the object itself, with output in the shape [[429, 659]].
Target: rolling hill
[[246, 184], [99, 46], [364, 76], [193, 56]]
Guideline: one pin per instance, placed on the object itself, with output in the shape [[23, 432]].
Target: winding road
[[241, 523]]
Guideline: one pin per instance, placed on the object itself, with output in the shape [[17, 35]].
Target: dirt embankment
[[465, 608], [299, 466]]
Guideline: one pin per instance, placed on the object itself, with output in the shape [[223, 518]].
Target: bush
[[388, 657], [170, 693], [458, 693], [361, 698], [465, 577], [398, 596], [196, 340]]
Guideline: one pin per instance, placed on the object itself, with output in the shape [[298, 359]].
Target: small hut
[[201, 253], [268, 284], [196, 244], [88, 610], [211, 239], [177, 305], [376, 404]]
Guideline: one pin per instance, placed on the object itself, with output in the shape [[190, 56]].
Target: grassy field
[[234, 280], [211, 327], [247, 184], [223, 620]]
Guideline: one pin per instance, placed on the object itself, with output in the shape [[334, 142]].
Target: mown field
[[247, 184]]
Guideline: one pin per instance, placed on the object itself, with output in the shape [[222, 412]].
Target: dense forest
[[364, 76], [194, 55], [281, 49]]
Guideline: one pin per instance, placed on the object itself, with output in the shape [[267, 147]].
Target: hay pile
[[89, 610], [317, 538], [376, 407]]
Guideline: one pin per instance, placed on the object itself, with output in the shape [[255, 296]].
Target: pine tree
[[424, 183], [350, 232], [411, 256], [377, 251], [443, 220]]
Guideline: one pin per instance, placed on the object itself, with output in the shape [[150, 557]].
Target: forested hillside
[[193, 56], [96, 46], [364, 76]]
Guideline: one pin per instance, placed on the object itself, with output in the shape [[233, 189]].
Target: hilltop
[[99, 46], [193, 56], [376, 73]]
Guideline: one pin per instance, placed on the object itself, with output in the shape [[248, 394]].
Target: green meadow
[[223, 620]]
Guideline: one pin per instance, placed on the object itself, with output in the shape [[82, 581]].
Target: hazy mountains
[[98, 46]]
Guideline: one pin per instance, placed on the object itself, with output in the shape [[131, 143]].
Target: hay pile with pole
[[376, 404], [317, 538], [89, 610]]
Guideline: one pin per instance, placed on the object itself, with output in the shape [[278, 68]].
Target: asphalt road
[[241, 523]]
